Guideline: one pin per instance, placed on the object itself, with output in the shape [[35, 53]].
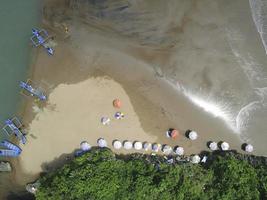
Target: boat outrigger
[[35, 92], [12, 126], [41, 37]]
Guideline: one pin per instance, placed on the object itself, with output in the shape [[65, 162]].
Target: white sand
[[73, 114]]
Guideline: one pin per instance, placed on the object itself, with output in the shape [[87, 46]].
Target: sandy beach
[[80, 93], [91, 67]]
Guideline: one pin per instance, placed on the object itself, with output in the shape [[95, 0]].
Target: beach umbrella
[[195, 159], [225, 146], [102, 142], [138, 145], [127, 145], [147, 146], [85, 146], [105, 120], [155, 147], [167, 149], [213, 146], [117, 144], [249, 148], [193, 135], [179, 151], [117, 103]]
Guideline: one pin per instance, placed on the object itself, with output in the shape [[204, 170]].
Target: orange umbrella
[[174, 133], [117, 103]]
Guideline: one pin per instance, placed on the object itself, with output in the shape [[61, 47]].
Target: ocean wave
[[247, 62], [259, 15], [243, 116], [216, 108], [262, 93], [238, 121]]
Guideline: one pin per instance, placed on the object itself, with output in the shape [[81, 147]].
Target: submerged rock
[[5, 167]]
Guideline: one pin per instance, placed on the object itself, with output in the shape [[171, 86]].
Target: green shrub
[[99, 175]]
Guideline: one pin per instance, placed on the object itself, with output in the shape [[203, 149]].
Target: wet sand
[[91, 66]]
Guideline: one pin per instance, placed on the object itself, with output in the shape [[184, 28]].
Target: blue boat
[[13, 129], [10, 146], [40, 37], [33, 91], [9, 153]]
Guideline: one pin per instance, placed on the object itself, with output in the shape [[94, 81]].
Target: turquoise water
[[16, 20]]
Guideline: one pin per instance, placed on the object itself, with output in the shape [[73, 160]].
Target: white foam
[[238, 123], [209, 105], [243, 115], [213, 107], [259, 15], [248, 64]]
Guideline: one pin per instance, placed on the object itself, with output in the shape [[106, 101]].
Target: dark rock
[[5, 167]]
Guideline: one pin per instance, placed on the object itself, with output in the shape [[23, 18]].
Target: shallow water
[[226, 72], [16, 20]]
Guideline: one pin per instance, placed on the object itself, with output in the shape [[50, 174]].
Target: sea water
[[16, 20]]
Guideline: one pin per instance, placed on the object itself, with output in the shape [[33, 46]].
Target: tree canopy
[[100, 174]]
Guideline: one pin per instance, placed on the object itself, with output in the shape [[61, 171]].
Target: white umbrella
[[213, 146], [138, 145], [193, 135], [195, 159], [105, 120], [128, 145], [225, 146], [167, 149], [117, 144], [155, 147], [101, 142], [179, 151], [249, 148], [147, 146], [168, 133], [85, 146]]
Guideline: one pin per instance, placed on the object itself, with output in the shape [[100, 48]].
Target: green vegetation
[[101, 175]]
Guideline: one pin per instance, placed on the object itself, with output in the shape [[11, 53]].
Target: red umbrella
[[117, 103]]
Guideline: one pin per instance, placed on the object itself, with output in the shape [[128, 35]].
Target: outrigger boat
[[40, 37], [11, 151], [33, 91], [12, 126]]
